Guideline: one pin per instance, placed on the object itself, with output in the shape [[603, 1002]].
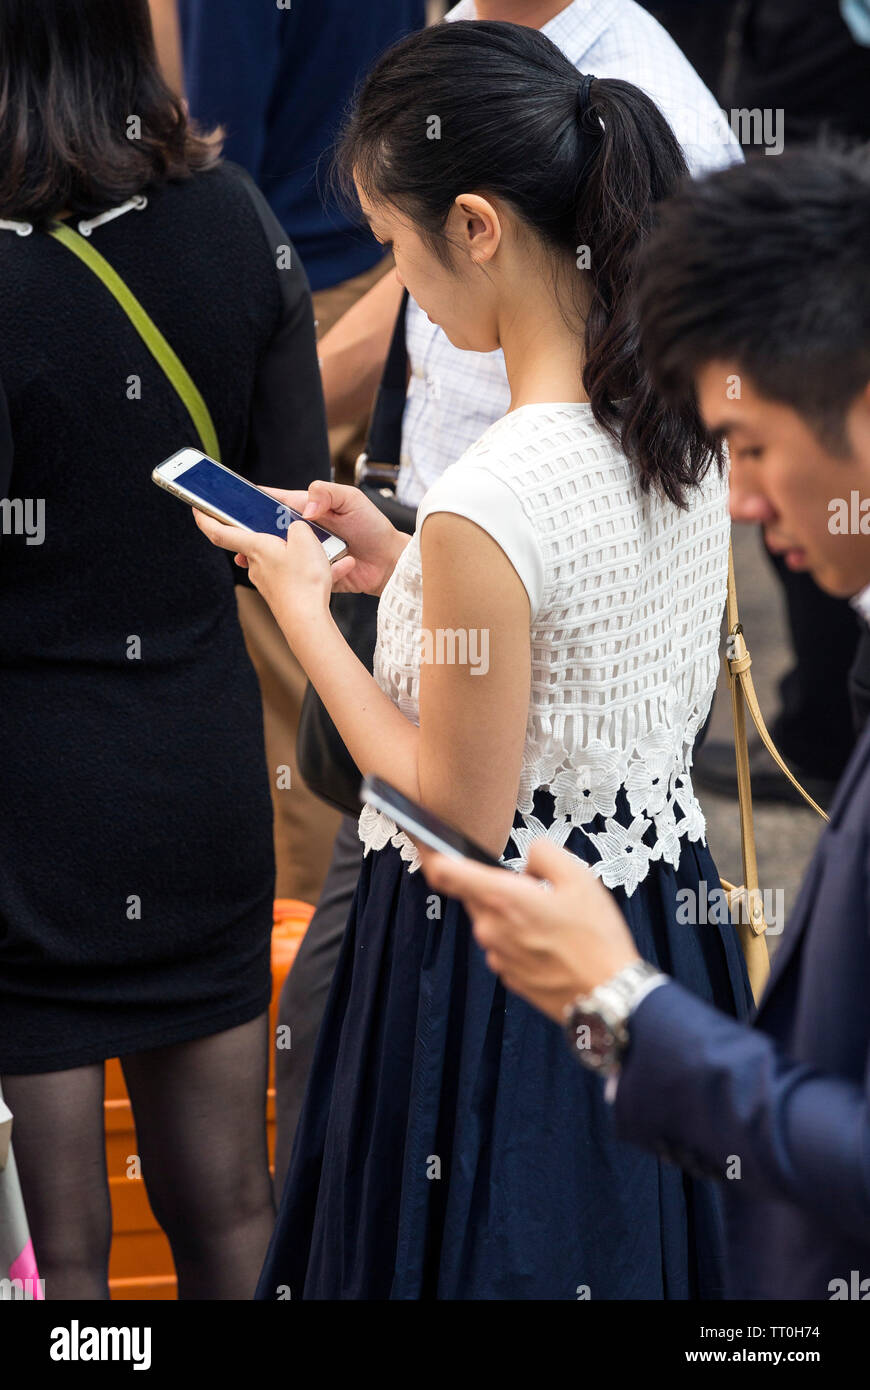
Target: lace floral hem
[[625, 852]]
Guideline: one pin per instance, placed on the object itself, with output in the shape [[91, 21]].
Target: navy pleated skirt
[[450, 1147]]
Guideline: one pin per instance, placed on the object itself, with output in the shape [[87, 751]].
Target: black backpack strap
[[324, 762], [384, 439]]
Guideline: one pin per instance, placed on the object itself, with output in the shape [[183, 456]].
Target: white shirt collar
[[574, 29]]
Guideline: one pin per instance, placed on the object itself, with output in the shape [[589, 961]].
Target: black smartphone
[[422, 824]]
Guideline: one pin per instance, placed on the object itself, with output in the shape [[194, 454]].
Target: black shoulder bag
[[324, 762]]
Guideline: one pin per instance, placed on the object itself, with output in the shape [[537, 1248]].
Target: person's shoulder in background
[[635, 47], [220, 218], [224, 196]]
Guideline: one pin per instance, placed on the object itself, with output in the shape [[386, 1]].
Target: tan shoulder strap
[[746, 899], [739, 664]]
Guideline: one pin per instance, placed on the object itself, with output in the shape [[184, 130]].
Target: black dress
[[136, 861]]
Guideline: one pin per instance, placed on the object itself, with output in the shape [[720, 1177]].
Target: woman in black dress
[[136, 864]]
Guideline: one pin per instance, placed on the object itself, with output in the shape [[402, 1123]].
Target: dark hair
[[765, 265], [511, 125], [72, 73]]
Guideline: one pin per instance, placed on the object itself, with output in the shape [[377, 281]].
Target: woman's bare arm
[[352, 354], [167, 41], [473, 707]]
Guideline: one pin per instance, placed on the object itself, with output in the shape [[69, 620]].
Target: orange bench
[[141, 1262]]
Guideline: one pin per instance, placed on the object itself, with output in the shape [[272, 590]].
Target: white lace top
[[626, 594]]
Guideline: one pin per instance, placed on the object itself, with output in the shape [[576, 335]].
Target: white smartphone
[[223, 494], [422, 824]]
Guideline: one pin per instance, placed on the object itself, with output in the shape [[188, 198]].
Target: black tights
[[200, 1113]]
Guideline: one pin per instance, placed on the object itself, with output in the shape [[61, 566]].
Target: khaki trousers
[[304, 826], [346, 441]]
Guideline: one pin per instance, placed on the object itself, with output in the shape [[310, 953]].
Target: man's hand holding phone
[[549, 947]]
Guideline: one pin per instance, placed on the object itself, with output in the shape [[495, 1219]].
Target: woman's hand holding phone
[[374, 544], [295, 576]]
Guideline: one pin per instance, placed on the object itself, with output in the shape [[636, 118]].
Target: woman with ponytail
[[547, 652]]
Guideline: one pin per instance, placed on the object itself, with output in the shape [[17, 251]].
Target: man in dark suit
[[754, 302]]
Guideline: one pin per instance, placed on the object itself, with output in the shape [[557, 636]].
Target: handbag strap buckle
[[379, 475]]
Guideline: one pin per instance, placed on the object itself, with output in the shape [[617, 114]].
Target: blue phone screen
[[240, 500]]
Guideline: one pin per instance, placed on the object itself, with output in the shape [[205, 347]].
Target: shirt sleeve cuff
[[611, 1086]]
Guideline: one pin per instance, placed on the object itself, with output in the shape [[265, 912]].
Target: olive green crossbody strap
[[172, 366]]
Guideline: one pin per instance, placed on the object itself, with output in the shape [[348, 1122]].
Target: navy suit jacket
[[778, 1111]]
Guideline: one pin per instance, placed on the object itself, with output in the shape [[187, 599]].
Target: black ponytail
[[638, 163], [497, 108]]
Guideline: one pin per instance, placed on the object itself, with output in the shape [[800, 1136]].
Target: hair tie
[[583, 94]]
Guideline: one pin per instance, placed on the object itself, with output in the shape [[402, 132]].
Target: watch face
[[594, 1041]]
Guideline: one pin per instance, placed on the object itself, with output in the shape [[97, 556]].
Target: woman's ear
[[476, 226]]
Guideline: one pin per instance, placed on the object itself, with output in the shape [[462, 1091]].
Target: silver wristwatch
[[597, 1024]]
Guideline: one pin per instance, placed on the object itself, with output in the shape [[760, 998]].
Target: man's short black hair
[[767, 266]]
